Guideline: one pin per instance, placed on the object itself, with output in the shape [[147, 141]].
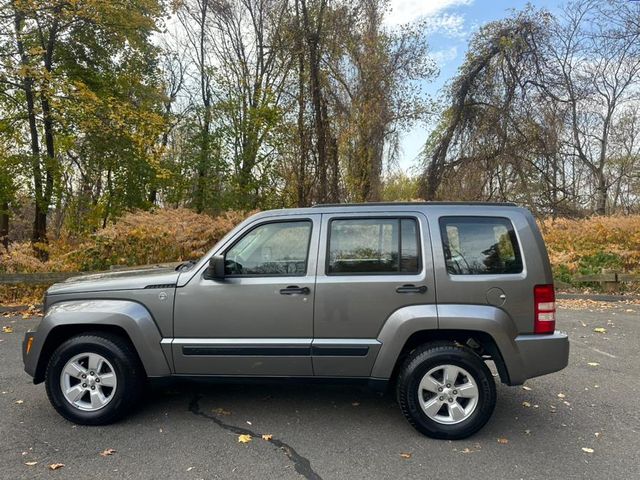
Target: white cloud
[[445, 56], [405, 11], [449, 24]]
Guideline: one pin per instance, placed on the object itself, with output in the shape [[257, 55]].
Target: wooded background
[[215, 105]]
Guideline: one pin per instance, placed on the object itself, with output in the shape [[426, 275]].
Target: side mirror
[[216, 268]]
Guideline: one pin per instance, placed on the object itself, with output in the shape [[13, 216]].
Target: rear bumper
[[540, 354]]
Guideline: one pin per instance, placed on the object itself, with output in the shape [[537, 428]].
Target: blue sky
[[450, 24]]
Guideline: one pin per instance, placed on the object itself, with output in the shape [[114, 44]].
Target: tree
[[59, 56]]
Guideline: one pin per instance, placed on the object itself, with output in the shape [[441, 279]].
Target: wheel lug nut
[[84, 385], [448, 385], [441, 399], [98, 381], [450, 399], [91, 373], [439, 389], [455, 392], [93, 388], [84, 375]]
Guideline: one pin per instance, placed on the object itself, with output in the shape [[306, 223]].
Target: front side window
[[373, 246], [480, 245], [279, 248]]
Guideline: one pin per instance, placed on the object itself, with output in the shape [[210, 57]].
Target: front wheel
[[94, 379], [446, 391]]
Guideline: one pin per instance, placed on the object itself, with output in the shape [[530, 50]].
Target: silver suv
[[417, 295]]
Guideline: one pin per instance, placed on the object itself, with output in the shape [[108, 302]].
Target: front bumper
[[542, 354]]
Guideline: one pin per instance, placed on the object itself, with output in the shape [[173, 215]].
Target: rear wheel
[[94, 379], [446, 391]]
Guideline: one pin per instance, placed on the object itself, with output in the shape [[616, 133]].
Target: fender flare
[[132, 317], [481, 318]]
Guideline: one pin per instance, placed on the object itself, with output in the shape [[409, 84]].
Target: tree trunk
[[601, 194], [302, 137], [313, 43], [4, 224], [39, 232]]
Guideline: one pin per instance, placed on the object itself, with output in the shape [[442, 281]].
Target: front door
[[258, 320]]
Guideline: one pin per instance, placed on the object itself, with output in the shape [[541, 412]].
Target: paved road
[[338, 432]]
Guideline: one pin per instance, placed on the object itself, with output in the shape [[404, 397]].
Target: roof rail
[[383, 204]]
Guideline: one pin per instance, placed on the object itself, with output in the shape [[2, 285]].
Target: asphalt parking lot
[[191, 431]]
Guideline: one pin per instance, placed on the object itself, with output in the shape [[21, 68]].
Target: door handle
[[411, 289], [295, 290]]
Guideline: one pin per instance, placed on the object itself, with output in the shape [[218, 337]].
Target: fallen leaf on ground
[[593, 364], [189, 469], [249, 423], [526, 404], [561, 395], [600, 330], [467, 450], [30, 464], [267, 437], [405, 455], [56, 466], [524, 387], [527, 432], [587, 450], [355, 404], [107, 452], [244, 438], [503, 441], [597, 434], [221, 411], [19, 402], [7, 329]]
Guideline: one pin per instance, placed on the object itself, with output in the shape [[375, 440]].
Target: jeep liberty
[[414, 295]]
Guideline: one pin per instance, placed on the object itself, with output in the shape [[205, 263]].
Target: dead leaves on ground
[[587, 450], [503, 441], [595, 305], [221, 411], [56, 466], [246, 438], [7, 329], [30, 464], [600, 330], [108, 452], [405, 455]]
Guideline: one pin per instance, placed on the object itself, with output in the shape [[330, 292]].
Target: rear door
[[369, 265]]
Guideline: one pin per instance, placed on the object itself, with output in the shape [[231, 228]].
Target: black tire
[[419, 363], [127, 368]]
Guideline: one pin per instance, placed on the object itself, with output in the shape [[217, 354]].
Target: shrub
[[166, 235]]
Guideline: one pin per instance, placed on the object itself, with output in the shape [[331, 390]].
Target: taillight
[[544, 297]]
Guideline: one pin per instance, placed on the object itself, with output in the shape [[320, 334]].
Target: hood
[[117, 280]]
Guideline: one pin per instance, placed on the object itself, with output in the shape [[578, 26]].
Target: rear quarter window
[[480, 246]]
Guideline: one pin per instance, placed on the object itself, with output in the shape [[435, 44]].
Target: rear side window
[[480, 245], [373, 246]]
